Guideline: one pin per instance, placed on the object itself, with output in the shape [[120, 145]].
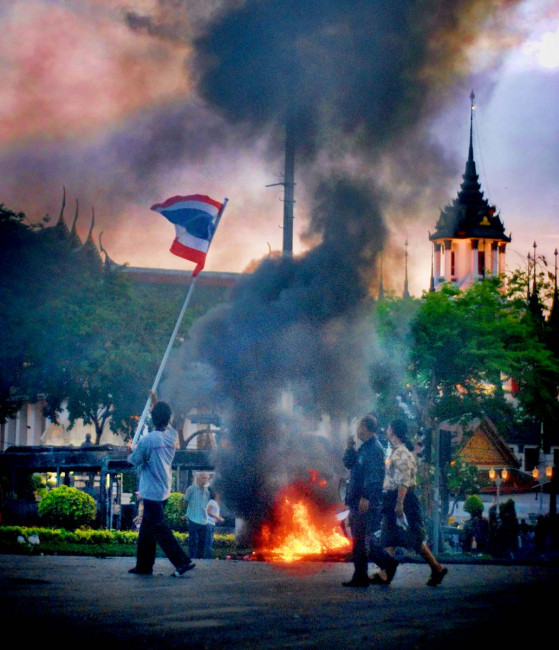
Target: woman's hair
[[400, 430]]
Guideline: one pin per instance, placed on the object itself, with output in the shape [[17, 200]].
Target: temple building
[[469, 241]]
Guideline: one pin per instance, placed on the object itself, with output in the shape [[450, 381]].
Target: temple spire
[[472, 109], [406, 289], [553, 319], [555, 253], [381, 285], [533, 299]]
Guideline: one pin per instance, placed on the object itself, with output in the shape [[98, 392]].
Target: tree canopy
[[445, 357], [73, 333]]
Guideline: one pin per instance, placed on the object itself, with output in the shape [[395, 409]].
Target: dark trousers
[[196, 539], [154, 530], [366, 546]]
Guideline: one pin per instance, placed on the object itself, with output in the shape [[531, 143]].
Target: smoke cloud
[[352, 82], [122, 102]]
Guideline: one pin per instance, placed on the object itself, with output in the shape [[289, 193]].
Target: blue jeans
[[208, 549], [196, 539]]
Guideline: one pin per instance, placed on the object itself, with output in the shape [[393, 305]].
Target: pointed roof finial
[[90, 236], [61, 216], [472, 109], [75, 218]]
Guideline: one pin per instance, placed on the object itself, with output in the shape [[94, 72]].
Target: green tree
[[389, 372], [23, 267], [473, 505], [76, 334], [462, 479], [536, 367]]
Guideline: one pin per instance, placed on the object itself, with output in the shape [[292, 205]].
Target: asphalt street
[[83, 602]]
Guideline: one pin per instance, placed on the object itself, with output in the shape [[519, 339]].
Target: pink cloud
[[66, 76]]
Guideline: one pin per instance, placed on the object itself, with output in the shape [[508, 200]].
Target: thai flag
[[195, 219]]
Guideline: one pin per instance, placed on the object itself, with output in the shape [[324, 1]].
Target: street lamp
[[498, 478], [538, 476]]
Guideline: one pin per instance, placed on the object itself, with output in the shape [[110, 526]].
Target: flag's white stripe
[[194, 205], [189, 240]]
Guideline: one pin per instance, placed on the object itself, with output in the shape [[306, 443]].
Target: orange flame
[[303, 526]]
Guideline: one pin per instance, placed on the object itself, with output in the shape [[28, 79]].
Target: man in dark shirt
[[364, 499]]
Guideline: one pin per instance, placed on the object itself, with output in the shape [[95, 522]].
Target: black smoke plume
[[353, 82]]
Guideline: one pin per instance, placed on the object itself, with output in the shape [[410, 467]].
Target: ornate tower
[[469, 240]]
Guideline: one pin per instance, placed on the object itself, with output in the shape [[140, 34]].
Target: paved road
[[74, 602]]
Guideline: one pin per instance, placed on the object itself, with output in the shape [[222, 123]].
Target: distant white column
[[502, 247], [494, 258], [21, 427], [475, 270], [447, 259], [437, 269]]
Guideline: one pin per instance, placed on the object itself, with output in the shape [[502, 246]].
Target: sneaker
[[356, 583], [183, 569], [137, 571], [437, 577]]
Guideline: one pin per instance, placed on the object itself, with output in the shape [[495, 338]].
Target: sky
[[117, 102]]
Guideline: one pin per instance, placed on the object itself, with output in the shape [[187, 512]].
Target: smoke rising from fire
[[122, 101], [353, 82]]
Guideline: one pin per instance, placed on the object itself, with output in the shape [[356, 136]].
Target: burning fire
[[303, 524]]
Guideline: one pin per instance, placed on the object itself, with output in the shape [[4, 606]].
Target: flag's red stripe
[[193, 197], [192, 254]]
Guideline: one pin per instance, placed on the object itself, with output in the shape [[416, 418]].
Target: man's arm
[[140, 454]]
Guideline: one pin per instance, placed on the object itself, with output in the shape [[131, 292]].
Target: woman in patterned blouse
[[402, 519]]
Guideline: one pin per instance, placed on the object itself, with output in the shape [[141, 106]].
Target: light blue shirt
[[197, 499], [154, 458]]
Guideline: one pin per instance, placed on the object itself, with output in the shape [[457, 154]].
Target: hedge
[[87, 541]]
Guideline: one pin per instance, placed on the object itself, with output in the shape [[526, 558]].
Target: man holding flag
[[154, 457], [196, 218]]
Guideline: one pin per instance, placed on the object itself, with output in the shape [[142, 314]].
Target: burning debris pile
[[302, 526]]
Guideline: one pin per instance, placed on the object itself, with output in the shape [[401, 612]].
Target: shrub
[[175, 510], [67, 507], [99, 543], [474, 505]]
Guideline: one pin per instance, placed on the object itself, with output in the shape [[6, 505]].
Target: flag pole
[[144, 415]]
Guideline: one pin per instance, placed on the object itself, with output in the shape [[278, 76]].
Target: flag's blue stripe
[[196, 222]]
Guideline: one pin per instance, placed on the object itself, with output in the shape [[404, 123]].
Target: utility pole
[[288, 189]]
